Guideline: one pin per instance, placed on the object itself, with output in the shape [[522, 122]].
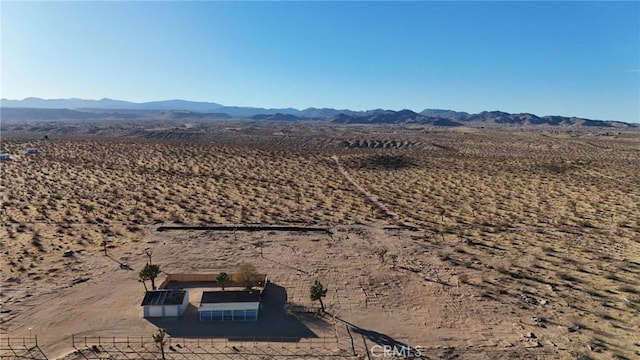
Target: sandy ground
[[525, 244], [411, 307]]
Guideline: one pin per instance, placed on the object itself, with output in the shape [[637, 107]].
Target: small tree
[[150, 272], [381, 252], [317, 292], [159, 340], [143, 281], [394, 261], [246, 275], [260, 244], [148, 252], [222, 279]]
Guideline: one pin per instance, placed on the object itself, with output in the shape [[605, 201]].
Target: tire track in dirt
[[371, 197], [599, 174]]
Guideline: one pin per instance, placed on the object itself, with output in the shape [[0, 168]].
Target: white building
[[229, 305], [165, 303]]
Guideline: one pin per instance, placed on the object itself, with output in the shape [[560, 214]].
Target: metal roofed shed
[[229, 306], [165, 303]]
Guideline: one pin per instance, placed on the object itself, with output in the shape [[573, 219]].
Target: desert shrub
[[605, 316], [568, 277], [584, 357], [380, 253], [246, 275], [612, 276], [37, 241], [629, 289], [134, 228]]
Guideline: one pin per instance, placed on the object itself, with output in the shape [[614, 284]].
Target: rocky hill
[[79, 109]]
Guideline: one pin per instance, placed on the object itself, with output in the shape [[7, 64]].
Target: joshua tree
[[143, 281], [150, 272], [148, 253], [317, 292], [260, 244], [381, 252], [246, 275], [159, 340], [394, 261], [222, 279]]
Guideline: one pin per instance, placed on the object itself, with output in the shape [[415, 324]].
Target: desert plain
[[465, 243]]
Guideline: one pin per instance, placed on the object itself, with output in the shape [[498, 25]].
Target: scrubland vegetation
[[543, 222]]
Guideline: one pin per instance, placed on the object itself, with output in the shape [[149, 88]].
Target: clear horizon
[[547, 58]]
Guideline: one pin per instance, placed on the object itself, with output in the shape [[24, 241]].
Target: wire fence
[[88, 341], [333, 348], [21, 348], [144, 347]]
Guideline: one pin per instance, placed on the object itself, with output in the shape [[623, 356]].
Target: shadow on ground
[[383, 162], [379, 344], [274, 323]]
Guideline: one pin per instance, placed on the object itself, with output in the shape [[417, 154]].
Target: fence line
[[85, 346], [21, 348], [31, 340], [257, 227], [186, 277], [88, 341]]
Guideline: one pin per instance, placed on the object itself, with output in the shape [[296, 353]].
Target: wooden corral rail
[[248, 228]]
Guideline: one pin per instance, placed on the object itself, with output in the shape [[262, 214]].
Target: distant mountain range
[[79, 109]]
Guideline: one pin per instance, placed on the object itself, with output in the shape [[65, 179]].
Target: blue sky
[[560, 58]]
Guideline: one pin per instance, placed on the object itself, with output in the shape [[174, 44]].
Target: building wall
[[229, 312], [229, 315], [172, 310], [229, 306], [162, 310], [185, 304], [204, 278], [166, 310]]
